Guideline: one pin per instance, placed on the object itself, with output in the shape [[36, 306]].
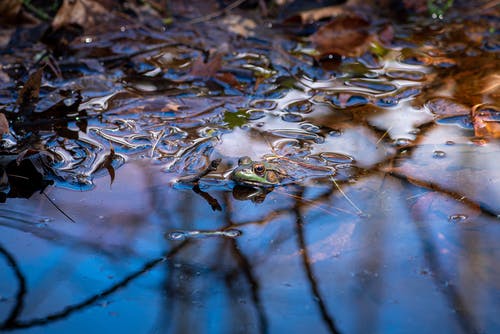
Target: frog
[[258, 173]]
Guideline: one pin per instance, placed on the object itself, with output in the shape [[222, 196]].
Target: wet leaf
[[317, 14], [239, 25], [208, 69], [28, 97], [486, 120], [419, 6], [9, 9], [235, 119], [443, 106], [24, 178], [108, 164], [344, 35], [81, 12], [4, 124]]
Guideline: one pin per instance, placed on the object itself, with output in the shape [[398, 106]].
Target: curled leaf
[[486, 120], [4, 124], [28, 97], [80, 12]]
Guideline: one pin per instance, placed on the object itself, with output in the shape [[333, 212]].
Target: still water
[[389, 224]]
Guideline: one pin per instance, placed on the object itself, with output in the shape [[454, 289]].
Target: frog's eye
[[259, 169], [244, 161]]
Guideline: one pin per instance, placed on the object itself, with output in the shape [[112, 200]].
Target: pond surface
[[389, 222]]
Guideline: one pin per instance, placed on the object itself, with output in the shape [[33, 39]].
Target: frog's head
[[257, 173]]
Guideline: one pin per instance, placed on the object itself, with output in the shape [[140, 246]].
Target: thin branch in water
[[383, 135], [58, 208], [360, 212]]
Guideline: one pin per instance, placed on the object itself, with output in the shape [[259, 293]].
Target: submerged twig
[[58, 208]]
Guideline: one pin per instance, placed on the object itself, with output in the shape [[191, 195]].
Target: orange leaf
[[344, 35], [486, 120], [208, 69]]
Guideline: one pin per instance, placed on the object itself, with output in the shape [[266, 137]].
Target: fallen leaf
[[81, 12], [4, 124], [171, 106], [486, 120], [314, 15], [419, 6], [28, 96], [344, 35], [107, 164], [208, 69], [9, 9], [446, 107], [240, 25]]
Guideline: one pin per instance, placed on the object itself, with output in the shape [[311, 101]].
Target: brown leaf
[[345, 35], [4, 124], [28, 96], [317, 14], [171, 106], [486, 120], [81, 12], [108, 164], [443, 106], [9, 9], [202, 69], [419, 6]]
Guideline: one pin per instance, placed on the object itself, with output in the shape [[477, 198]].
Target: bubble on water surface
[[254, 115], [300, 107], [310, 127], [438, 154], [263, 104], [298, 134], [176, 235], [335, 133], [402, 142], [457, 218], [232, 233], [292, 118], [337, 157]]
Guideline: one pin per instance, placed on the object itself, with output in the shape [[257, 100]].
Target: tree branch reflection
[[12, 323], [299, 225]]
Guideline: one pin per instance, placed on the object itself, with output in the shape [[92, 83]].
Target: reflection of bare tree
[[453, 296], [12, 322], [21, 290], [299, 223], [246, 268]]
